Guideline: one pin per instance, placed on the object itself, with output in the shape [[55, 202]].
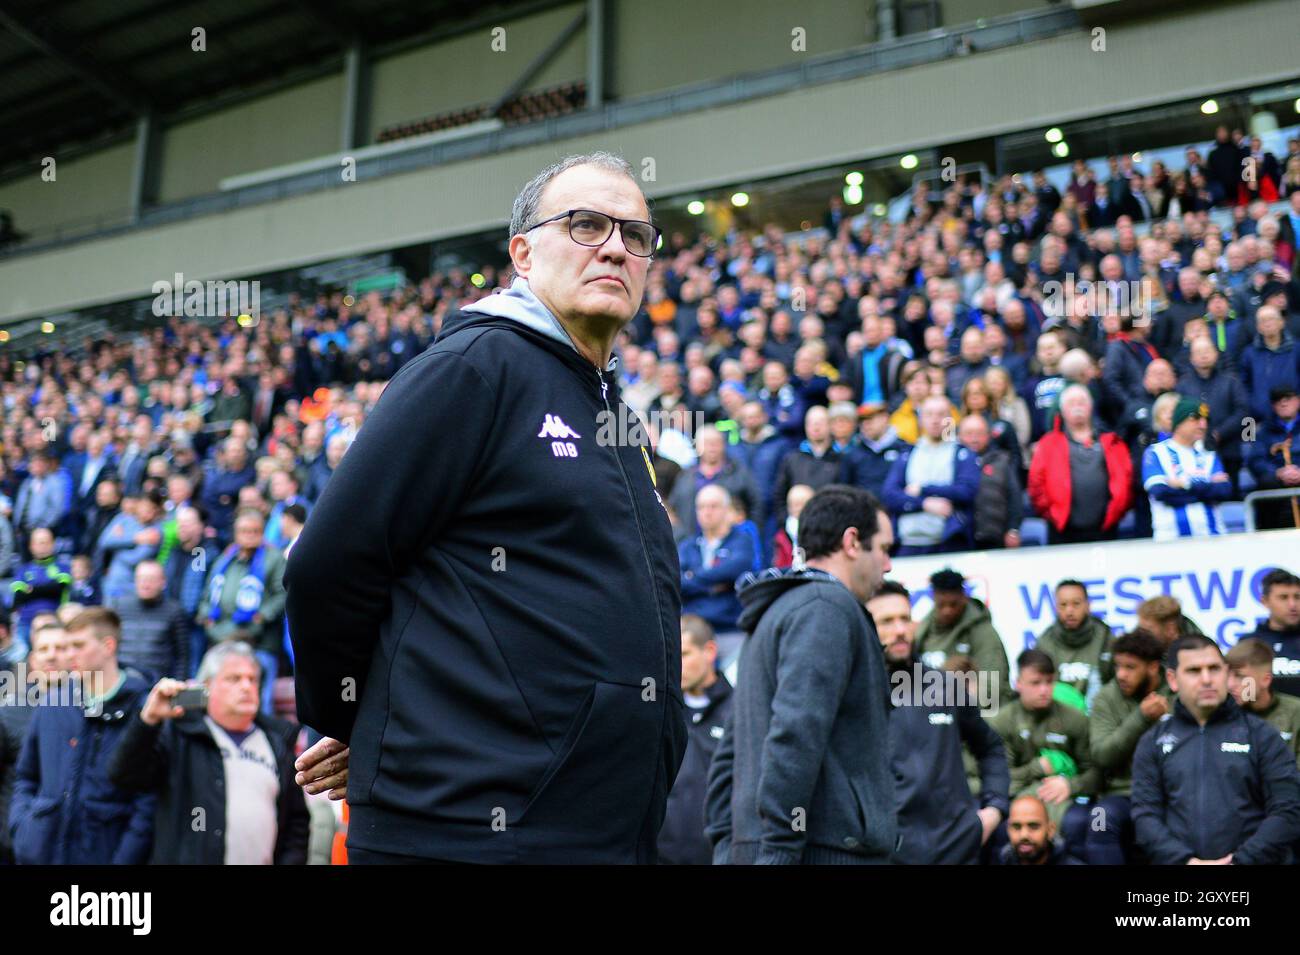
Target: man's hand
[[989, 819], [1153, 706], [159, 706], [1226, 860], [150, 536], [912, 490], [938, 506], [1011, 538], [324, 769], [1289, 475], [1219, 478], [1054, 790]]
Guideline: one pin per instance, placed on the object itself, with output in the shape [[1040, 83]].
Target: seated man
[[1250, 681], [940, 821], [712, 562], [228, 764], [1279, 440], [1078, 643], [1032, 836], [960, 625], [1122, 711], [1047, 744], [1281, 629], [708, 694], [1213, 784], [1163, 617], [931, 487]]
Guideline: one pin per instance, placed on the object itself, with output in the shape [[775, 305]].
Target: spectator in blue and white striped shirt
[[1183, 479]]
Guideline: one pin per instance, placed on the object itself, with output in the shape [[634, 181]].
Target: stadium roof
[[77, 71]]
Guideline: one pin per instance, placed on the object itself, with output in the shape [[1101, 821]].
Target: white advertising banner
[[1216, 579]]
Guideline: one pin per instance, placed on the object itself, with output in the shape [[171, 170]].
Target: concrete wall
[[94, 186], [293, 124]]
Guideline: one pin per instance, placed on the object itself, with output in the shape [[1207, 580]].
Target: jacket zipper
[[1200, 788], [636, 513]]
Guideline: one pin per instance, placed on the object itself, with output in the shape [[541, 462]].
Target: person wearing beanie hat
[[1185, 481]]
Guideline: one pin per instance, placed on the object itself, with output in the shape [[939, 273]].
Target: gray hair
[[216, 658], [525, 210]]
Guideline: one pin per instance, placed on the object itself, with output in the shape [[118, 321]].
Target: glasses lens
[[639, 237], [589, 228]]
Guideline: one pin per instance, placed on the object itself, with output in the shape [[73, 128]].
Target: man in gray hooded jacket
[[803, 772]]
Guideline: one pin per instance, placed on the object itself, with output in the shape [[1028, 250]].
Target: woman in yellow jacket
[[916, 386]]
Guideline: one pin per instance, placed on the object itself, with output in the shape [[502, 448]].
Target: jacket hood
[[758, 591], [1081, 637], [519, 305]]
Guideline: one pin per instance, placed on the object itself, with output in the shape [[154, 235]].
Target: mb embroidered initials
[[103, 908], [554, 427]]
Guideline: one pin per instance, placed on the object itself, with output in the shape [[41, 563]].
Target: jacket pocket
[[103, 825], [35, 835], [594, 795]]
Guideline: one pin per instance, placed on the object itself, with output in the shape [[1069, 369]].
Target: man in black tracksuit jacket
[[682, 840], [939, 821], [484, 602], [1212, 782]]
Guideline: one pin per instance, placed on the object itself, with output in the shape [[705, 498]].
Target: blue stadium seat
[[1233, 514], [1246, 482], [1033, 532]]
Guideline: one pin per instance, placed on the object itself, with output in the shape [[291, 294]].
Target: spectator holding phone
[[223, 771]]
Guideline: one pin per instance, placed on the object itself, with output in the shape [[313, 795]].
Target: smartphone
[[192, 698]]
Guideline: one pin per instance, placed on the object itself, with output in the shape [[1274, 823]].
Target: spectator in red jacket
[[1080, 481]]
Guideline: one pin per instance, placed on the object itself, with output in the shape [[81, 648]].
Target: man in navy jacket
[[713, 561], [65, 808], [1213, 783], [484, 601]]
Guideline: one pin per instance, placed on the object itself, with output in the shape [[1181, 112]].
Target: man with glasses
[[484, 601]]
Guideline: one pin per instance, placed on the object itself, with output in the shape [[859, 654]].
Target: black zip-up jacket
[[936, 812], [999, 503], [1229, 786], [682, 840], [179, 760], [484, 604]]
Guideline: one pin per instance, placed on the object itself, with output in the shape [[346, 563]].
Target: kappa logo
[[716, 732], [1234, 747], [940, 719], [554, 427]]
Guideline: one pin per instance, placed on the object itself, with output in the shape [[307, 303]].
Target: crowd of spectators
[[1108, 359]]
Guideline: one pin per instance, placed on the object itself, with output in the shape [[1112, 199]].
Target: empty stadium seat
[[1233, 515], [1033, 532]]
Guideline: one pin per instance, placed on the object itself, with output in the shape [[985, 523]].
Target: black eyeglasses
[[593, 229]]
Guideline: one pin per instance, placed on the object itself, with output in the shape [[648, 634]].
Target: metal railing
[[1255, 496]]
